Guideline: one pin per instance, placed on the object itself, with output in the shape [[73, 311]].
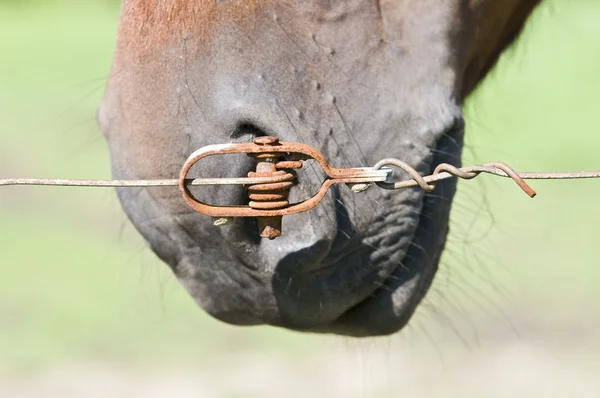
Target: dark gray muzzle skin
[[356, 81]]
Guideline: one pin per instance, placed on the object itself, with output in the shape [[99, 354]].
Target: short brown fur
[[147, 23]]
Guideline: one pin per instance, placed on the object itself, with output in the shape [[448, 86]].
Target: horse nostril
[[246, 132]]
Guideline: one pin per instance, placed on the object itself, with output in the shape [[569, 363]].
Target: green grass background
[[77, 284]]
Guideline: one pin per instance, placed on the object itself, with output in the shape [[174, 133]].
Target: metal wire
[[442, 172], [445, 170], [269, 184], [135, 183]]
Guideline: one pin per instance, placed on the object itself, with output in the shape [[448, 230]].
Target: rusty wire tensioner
[[268, 187]]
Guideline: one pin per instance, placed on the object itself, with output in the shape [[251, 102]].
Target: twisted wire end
[[445, 170]]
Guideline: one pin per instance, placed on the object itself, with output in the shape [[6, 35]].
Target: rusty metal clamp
[[269, 185]]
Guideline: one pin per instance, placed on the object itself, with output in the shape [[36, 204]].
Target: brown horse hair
[[147, 23]]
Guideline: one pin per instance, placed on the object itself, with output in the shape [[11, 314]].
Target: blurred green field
[[77, 285]]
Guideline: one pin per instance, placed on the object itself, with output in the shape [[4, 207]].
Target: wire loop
[[404, 166]]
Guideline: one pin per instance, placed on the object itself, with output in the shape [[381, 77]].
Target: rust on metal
[[270, 196], [268, 199], [274, 175], [515, 177], [446, 170]]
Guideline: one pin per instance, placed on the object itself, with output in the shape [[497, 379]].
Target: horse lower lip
[[391, 304], [382, 312]]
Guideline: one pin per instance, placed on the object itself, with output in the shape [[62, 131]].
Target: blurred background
[[86, 310]]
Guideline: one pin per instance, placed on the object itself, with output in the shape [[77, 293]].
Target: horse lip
[[354, 328], [360, 321], [420, 260]]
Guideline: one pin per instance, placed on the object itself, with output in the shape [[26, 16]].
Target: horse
[[357, 80]]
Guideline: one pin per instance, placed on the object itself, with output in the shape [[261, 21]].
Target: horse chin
[[392, 303]]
